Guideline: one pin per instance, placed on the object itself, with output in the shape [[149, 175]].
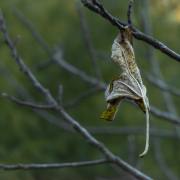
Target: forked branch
[[97, 7]]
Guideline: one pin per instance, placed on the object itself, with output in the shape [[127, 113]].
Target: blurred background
[[79, 38]]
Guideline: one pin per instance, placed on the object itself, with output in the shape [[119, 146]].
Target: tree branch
[[165, 115], [58, 58], [20, 166], [98, 8], [23, 67], [163, 85], [129, 12], [88, 41], [26, 103], [161, 161]]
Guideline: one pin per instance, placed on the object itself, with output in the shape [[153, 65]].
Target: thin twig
[[162, 85], [129, 12], [82, 96], [156, 132], [60, 94], [26, 103], [58, 58], [31, 27], [155, 67], [131, 149], [23, 67], [88, 41], [169, 117], [21, 166], [161, 161]]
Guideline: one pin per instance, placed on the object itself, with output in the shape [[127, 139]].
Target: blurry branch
[[81, 97], [155, 67], [26, 103], [23, 67], [129, 12], [36, 35], [97, 7], [58, 58], [156, 71], [169, 117], [131, 149], [156, 132], [20, 166], [161, 161], [60, 94], [162, 85], [31, 28], [70, 120], [88, 41]]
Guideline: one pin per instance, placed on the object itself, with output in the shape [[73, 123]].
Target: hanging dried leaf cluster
[[129, 84]]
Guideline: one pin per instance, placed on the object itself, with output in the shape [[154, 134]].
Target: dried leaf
[[129, 84]]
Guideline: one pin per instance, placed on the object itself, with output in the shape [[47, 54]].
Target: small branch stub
[[129, 12]]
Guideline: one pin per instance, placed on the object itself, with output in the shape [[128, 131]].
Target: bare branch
[[58, 58], [26, 103], [98, 8], [165, 115], [88, 41], [163, 86], [20, 166], [81, 97], [36, 35], [21, 64], [161, 161], [60, 94], [129, 12], [131, 149], [155, 67], [156, 132]]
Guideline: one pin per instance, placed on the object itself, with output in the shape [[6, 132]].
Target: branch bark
[[97, 7], [21, 166]]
